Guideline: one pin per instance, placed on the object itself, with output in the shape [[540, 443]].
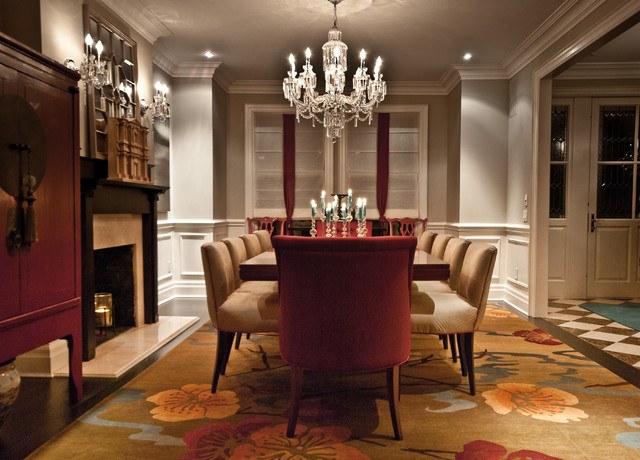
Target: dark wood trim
[[103, 196]]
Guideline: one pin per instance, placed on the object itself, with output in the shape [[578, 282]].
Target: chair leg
[[467, 347], [227, 350], [444, 341], [393, 394], [238, 339], [463, 363], [222, 356], [294, 401], [452, 344]]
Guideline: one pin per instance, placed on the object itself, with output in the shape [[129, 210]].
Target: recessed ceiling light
[[467, 56], [208, 54]]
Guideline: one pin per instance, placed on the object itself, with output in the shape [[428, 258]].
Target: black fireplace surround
[[103, 196]]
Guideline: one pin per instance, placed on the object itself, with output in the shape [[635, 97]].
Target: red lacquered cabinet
[[40, 288]]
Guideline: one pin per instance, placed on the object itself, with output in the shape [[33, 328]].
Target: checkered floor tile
[[620, 341]]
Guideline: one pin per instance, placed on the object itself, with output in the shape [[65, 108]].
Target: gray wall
[[483, 151]]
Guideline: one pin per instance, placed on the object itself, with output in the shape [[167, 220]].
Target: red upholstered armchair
[[345, 306]]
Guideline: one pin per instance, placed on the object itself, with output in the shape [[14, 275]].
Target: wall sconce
[[160, 107], [92, 70]]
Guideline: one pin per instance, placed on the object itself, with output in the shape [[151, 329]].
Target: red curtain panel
[[382, 180], [289, 162]]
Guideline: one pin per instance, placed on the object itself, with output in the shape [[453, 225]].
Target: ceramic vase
[[9, 387]]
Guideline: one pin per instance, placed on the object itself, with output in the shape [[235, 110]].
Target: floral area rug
[[536, 398]]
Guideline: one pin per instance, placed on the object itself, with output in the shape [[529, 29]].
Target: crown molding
[[601, 71], [224, 78], [169, 63], [562, 20], [137, 15], [596, 91]]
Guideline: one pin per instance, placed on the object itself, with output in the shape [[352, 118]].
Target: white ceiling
[[417, 39]]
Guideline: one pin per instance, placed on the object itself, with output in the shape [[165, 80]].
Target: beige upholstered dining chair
[[252, 244], [458, 313], [426, 241], [265, 239], [238, 253], [439, 245], [454, 255], [232, 311]]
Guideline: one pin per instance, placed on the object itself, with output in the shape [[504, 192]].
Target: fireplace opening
[[114, 274]]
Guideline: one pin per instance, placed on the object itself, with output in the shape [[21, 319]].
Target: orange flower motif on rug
[[193, 402], [537, 336], [324, 442], [546, 403], [257, 438]]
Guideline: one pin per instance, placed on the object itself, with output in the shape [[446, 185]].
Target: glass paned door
[[613, 205]]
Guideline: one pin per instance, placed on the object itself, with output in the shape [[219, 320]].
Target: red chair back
[[406, 226], [344, 302]]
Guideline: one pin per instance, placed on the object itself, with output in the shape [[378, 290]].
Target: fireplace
[[114, 282], [118, 213]]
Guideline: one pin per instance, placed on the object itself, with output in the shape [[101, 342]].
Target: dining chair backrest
[[265, 239], [475, 276], [404, 226], [439, 245], [218, 276], [260, 223], [426, 241], [333, 313], [252, 244], [454, 255], [238, 254]]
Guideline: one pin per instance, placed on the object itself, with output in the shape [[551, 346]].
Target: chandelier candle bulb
[[99, 48], [88, 41]]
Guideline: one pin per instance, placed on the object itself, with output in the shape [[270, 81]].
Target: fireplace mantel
[[103, 196]]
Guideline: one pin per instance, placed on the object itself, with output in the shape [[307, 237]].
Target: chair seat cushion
[[441, 313], [432, 287], [249, 312]]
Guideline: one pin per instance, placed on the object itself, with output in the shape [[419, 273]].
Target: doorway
[[594, 193]]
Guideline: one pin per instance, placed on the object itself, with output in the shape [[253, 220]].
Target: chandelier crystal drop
[[334, 109]]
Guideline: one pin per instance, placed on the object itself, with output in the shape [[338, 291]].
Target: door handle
[[593, 223]]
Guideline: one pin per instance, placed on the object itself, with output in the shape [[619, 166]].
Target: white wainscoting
[[180, 273], [180, 266]]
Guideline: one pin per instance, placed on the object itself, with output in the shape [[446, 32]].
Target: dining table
[[426, 267]]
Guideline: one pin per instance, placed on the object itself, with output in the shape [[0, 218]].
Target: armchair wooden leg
[[294, 401], [443, 337], [463, 363], [452, 344], [228, 344], [393, 394], [238, 339], [467, 347], [221, 358]]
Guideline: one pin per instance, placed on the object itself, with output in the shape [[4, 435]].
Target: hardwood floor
[[43, 410]]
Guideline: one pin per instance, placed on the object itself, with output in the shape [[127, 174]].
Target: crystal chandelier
[[333, 109]]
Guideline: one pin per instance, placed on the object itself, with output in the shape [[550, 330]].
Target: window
[[356, 155], [559, 161]]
